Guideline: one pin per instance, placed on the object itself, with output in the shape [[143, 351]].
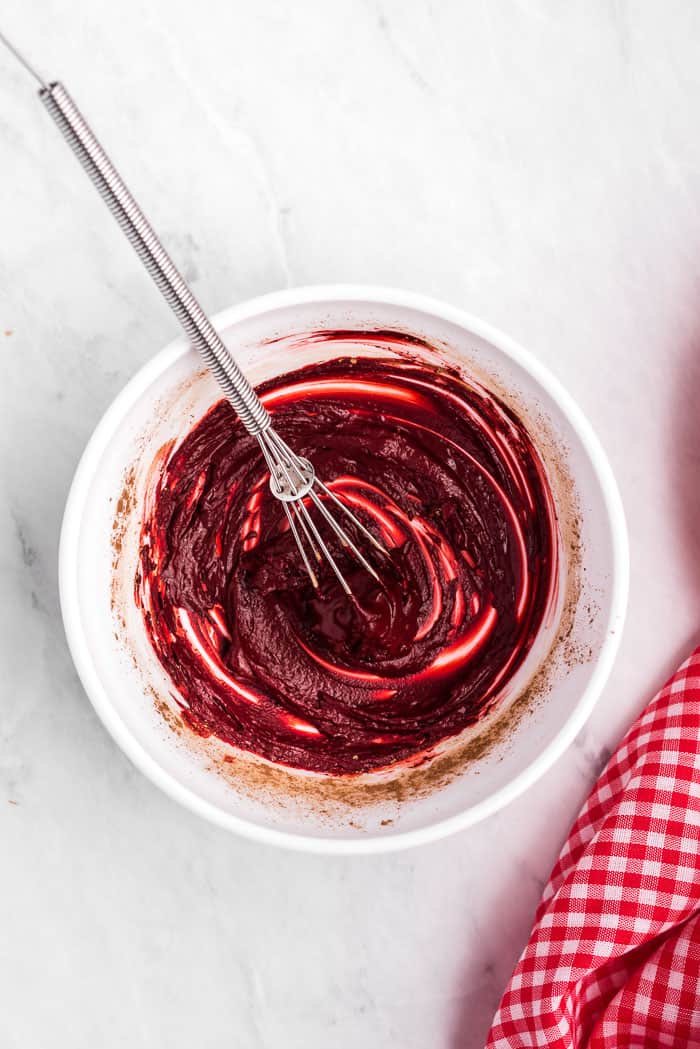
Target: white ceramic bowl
[[131, 693]]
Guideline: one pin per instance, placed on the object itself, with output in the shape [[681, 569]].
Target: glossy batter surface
[[449, 480]]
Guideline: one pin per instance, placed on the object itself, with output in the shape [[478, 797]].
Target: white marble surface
[[535, 161]]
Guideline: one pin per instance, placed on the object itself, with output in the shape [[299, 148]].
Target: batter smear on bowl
[[448, 479]]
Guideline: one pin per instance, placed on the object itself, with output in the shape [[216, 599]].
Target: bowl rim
[[82, 657]]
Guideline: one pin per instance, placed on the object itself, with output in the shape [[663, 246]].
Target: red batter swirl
[[448, 478]]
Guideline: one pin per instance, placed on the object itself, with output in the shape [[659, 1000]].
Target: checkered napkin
[[613, 961]]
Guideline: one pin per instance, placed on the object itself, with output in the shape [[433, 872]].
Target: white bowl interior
[[122, 675]]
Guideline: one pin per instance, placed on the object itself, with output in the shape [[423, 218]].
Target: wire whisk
[[292, 478], [294, 482]]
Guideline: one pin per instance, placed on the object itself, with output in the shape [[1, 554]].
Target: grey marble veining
[[535, 162]]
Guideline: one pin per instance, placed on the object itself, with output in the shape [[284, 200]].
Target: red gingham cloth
[[613, 961]]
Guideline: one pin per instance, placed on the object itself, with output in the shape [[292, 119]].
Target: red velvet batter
[[447, 477]]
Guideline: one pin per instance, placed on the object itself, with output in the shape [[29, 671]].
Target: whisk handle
[[155, 258]]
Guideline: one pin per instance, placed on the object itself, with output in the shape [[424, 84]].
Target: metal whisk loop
[[293, 481]]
